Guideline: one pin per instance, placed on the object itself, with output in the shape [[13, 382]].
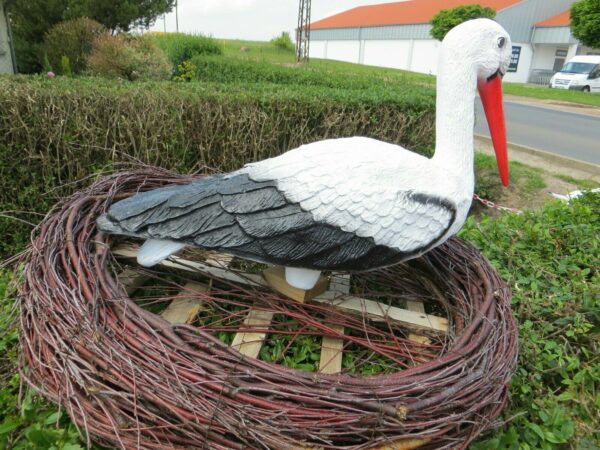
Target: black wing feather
[[236, 215]]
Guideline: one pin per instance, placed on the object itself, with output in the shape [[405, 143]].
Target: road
[[564, 133]]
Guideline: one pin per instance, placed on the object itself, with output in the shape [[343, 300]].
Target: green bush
[[283, 41], [550, 259], [129, 58], [56, 131], [181, 47], [70, 41], [447, 19]]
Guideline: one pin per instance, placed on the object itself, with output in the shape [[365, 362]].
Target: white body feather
[[362, 186]]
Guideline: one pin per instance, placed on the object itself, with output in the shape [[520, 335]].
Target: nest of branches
[[130, 379]]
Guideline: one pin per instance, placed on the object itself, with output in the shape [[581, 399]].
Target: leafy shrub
[[181, 47], [447, 19], [129, 58], [550, 259], [283, 41], [186, 71], [77, 127], [72, 40]]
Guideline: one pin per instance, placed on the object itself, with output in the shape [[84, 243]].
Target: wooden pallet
[[248, 342]]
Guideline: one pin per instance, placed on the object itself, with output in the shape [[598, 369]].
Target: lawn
[[264, 52]]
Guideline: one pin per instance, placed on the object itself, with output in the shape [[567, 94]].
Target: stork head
[[487, 46]]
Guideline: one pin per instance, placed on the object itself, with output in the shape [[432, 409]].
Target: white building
[[7, 55], [398, 35]]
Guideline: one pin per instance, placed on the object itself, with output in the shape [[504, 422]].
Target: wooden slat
[[331, 352], [404, 444], [275, 277], [332, 348], [183, 308], [131, 279], [218, 259], [417, 306], [340, 282], [249, 343], [378, 312], [129, 251]]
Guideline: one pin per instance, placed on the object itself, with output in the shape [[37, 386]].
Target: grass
[[266, 52], [545, 93], [581, 184], [525, 181]]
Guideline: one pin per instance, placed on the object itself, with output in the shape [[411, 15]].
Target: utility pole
[[176, 17], [165, 22], [303, 31]]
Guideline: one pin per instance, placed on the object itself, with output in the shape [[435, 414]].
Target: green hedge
[[56, 131]]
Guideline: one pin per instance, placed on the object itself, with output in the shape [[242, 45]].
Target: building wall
[[393, 54], [425, 56], [545, 54], [524, 66], [553, 35], [6, 65], [318, 49], [519, 19], [344, 51], [582, 50], [411, 47]]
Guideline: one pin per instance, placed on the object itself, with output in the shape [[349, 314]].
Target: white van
[[581, 73]]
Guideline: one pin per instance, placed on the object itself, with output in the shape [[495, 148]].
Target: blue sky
[[249, 19]]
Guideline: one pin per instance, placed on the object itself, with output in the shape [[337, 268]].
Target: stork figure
[[351, 204]]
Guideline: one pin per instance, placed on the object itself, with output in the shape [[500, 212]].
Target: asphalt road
[[568, 134]]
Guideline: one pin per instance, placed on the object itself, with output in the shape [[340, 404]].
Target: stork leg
[[302, 278]]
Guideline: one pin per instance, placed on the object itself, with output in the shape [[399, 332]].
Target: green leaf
[[536, 429], [9, 424], [53, 418]]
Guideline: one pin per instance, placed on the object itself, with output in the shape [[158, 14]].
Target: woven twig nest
[[132, 379]]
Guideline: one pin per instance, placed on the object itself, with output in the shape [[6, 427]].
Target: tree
[[585, 22], [119, 14], [31, 20], [447, 19]]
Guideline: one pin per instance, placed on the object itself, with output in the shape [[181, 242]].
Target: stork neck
[[455, 115]]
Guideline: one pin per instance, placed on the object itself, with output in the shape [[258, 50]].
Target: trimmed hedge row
[[57, 131]]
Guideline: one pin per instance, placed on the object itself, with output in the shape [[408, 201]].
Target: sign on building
[[514, 58]]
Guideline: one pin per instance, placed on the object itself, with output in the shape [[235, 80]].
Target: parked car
[[581, 73]]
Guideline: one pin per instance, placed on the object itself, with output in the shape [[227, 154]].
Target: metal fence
[[541, 76]]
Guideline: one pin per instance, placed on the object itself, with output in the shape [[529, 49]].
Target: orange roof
[[400, 13], [562, 20]]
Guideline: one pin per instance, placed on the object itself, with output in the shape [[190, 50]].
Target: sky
[[257, 20]]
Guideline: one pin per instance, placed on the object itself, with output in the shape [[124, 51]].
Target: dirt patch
[[515, 198]]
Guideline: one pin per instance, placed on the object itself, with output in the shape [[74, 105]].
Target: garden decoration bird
[[350, 204]]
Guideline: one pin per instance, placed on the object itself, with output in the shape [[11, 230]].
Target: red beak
[[490, 92]]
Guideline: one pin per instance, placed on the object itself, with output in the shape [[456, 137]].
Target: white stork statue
[[349, 204]]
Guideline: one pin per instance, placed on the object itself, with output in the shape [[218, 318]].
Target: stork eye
[[501, 42]]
